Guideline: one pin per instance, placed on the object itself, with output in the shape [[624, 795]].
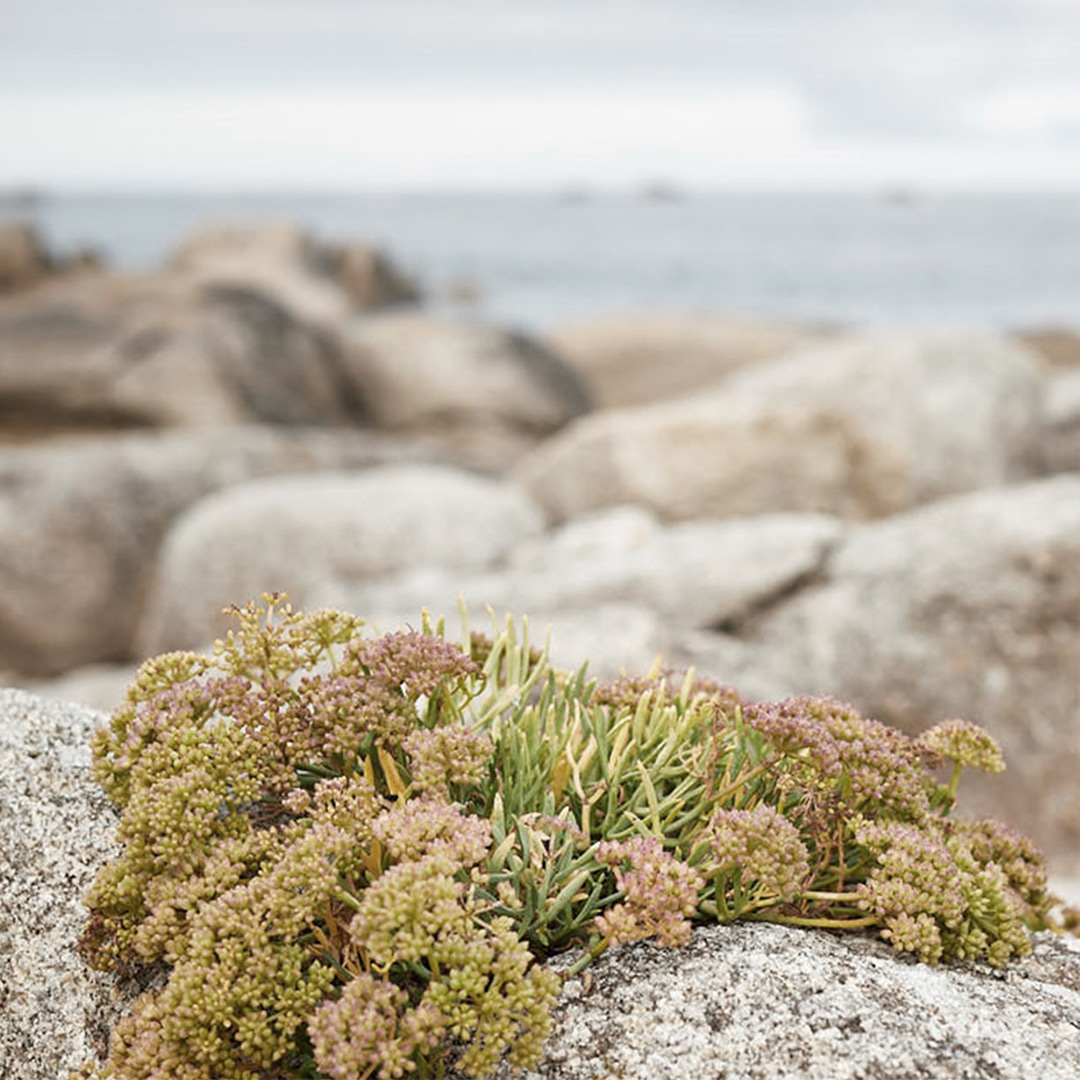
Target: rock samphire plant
[[350, 856]]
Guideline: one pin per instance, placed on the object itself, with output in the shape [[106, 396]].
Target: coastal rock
[[643, 358], [56, 830], [1061, 423], [56, 343], [861, 427], [23, 258], [369, 278], [1058, 348], [759, 1002], [477, 389], [82, 519], [97, 686], [314, 282], [970, 608], [243, 358], [314, 535], [106, 352], [694, 574]]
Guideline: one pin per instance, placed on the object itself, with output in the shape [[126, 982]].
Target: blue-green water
[[990, 260]]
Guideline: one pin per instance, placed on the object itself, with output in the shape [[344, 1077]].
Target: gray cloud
[[906, 70]]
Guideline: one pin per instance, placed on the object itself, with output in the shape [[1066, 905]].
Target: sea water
[[538, 260]]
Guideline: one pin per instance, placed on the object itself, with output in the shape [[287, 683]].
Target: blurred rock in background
[[890, 517]]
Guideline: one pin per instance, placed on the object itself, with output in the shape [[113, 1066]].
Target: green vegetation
[[350, 855]]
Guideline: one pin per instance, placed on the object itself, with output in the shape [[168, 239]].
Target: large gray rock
[[97, 686], [693, 574], [970, 608], [242, 357], [53, 341], [56, 830], [24, 260], [106, 352], [862, 427], [314, 536], [759, 1002], [643, 358], [1061, 423], [478, 389], [82, 519], [316, 282]]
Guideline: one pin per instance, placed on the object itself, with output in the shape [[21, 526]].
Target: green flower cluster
[[350, 855], [764, 849], [934, 897]]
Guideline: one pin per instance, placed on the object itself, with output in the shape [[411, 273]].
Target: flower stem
[[828, 924], [954, 780], [583, 962]]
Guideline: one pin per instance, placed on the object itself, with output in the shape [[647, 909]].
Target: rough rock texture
[[313, 536], [1061, 420], [640, 359], [759, 1002], [56, 829], [862, 427], [971, 608], [474, 387], [82, 518]]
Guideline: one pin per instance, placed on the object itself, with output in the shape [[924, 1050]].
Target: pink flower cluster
[[377, 690], [764, 846], [371, 1031], [864, 761], [935, 897], [423, 826], [449, 755], [660, 893]]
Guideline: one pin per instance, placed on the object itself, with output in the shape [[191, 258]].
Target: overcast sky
[[532, 93]]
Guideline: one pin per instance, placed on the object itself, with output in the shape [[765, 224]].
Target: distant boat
[[899, 195], [662, 191], [573, 194]]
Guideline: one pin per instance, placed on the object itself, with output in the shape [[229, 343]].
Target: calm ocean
[[538, 260]]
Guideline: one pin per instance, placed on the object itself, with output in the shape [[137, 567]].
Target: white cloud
[[268, 140], [1029, 110]]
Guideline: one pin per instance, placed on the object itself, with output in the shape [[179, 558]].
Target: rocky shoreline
[[889, 517]]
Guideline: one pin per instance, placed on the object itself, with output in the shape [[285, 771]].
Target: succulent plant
[[358, 856]]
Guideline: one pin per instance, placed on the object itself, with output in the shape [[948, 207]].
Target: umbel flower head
[[833, 748], [762, 847], [660, 893], [962, 742], [349, 855]]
